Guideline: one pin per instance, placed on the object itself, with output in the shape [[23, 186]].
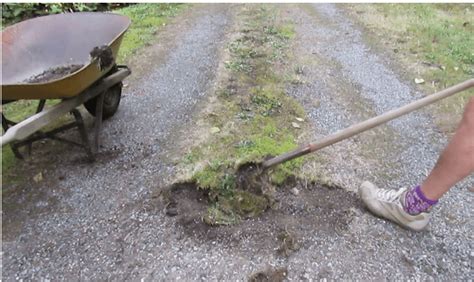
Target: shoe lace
[[389, 195]]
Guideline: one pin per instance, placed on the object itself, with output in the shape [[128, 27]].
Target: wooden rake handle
[[368, 124]]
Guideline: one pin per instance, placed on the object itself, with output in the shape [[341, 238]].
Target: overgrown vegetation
[[146, 20], [433, 41], [250, 119], [16, 12]]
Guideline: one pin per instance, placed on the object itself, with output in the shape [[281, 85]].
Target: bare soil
[[327, 209], [270, 274], [104, 54], [53, 73]]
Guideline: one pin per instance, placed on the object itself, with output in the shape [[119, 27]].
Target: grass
[[17, 112], [432, 41], [254, 115], [146, 19]]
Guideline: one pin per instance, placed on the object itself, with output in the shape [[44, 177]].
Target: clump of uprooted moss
[[230, 209]]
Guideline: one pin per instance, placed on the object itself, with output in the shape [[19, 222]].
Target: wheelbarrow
[[69, 57]]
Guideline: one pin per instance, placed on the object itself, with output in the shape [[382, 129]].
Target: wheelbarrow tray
[[36, 45]]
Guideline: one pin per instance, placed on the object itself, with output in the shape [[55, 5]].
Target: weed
[[266, 103], [238, 66], [190, 157]]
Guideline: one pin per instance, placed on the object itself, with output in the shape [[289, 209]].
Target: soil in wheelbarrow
[[103, 53], [53, 73]]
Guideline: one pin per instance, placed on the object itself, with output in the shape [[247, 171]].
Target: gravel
[[360, 84], [103, 220]]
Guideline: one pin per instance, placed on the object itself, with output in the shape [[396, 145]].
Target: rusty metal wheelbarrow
[[37, 45]]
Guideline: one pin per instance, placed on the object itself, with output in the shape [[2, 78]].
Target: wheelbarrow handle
[[368, 124]]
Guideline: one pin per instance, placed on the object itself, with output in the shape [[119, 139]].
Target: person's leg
[[457, 160], [410, 207]]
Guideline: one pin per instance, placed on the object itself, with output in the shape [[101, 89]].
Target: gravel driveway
[[103, 220], [352, 82], [77, 222]]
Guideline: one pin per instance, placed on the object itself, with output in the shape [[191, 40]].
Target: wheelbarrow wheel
[[111, 102]]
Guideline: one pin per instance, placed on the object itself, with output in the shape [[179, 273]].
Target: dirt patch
[[53, 73], [22, 204], [185, 201], [269, 274], [317, 210], [104, 55]]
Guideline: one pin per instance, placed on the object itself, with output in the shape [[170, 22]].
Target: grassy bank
[[433, 42], [248, 118], [146, 19]]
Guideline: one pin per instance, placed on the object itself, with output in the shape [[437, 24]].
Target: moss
[[230, 210], [208, 178], [287, 31], [247, 204], [263, 146], [218, 215]]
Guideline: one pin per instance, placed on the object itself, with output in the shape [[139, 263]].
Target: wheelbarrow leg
[[40, 105], [12, 146], [39, 108], [83, 132], [98, 120]]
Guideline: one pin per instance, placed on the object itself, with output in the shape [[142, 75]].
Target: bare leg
[[410, 207], [457, 160]]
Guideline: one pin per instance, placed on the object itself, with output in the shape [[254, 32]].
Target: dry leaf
[[38, 178], [419, 80]]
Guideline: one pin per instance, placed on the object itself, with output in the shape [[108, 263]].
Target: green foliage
[[208, 178], [266, 102], [16, 12]]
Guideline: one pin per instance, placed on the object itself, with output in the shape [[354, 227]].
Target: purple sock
[[416, 202]]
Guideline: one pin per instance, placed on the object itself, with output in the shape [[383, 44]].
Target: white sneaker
[[389, 204]]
